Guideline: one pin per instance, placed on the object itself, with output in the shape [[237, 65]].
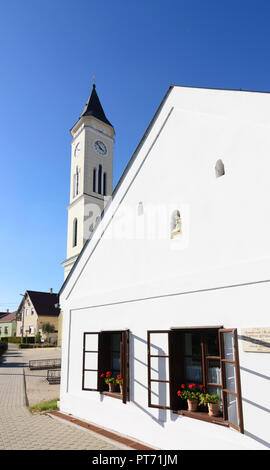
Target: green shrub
[[14, 339], [29, 339], [38, 345], [38, 337], [48, 328], [4, 339], [3, 348]]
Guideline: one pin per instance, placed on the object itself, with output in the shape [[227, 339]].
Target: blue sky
[[49, 51]]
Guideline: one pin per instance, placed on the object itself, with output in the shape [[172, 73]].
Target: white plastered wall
[[225, 243]]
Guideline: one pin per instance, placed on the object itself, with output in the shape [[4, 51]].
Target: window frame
[[222, 420], [238, 393], [101, 359], [150, 356], [75, 233], [84, 357]]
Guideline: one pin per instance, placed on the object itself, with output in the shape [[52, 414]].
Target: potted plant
[[192, 394], [212, 401], [119, 381], [109, 380]]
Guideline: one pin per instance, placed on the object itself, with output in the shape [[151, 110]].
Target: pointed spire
[[93, 107]]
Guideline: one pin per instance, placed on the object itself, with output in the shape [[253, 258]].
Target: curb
[[26, 401], [115, 438]]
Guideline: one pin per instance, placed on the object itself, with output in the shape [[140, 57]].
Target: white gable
[[225, 223]]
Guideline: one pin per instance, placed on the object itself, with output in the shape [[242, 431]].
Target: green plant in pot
[[109, 380], [192, 394], [119, 381], [212, 401]]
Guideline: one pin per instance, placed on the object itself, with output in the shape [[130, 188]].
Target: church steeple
[[93, 107], [91, 177]]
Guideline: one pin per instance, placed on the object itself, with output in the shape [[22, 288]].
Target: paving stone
[[20, 430]]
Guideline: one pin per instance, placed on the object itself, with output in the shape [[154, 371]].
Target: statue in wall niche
[[219, 169], [176, 225]]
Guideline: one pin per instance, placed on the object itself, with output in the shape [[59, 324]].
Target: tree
[[47, 328], [38, 337]]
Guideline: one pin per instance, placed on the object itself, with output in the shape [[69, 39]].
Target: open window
[[106, 351], [201, 356], [158, 369]]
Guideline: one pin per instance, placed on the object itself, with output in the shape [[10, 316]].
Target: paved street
[[20, 430]]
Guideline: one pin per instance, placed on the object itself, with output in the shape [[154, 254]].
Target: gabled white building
[[173, 286]]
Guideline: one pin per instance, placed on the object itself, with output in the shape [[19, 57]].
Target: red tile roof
[[8, 317]]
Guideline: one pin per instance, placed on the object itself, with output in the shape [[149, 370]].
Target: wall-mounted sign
[[256, 339]]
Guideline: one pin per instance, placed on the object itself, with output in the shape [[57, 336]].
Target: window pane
[[116, 361], [90, 379], [212, 344], [193, 344], [160, 393], [232, 409], [159, 368], [159, 344], [230, 379], [214, 375], [228, 346], [91, 361], [193, 370], [91, 342], [116, 338], [216, 391]]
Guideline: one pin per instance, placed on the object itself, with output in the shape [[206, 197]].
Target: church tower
[[91, 177]]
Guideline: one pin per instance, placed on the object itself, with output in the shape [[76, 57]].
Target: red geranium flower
[[190, 386], [183, 386], [179, 393], [200, 387], [101, 375], [108, 374]]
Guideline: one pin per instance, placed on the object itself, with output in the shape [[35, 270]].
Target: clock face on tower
[[77, 149], [100, 148]]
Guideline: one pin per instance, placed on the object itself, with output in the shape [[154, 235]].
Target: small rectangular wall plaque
[[256, 339]]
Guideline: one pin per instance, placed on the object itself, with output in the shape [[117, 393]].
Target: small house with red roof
[[7, 324]]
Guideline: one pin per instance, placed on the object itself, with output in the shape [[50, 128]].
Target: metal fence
[[54, 376], [45, 364]]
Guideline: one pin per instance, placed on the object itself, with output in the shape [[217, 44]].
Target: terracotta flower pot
[[192, 405], [112, 387], [213, 409]]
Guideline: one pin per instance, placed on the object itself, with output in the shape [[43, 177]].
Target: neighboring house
[[2, 314], [35, 310], [7, 324], [173, 285]]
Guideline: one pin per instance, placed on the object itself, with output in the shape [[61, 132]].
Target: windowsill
[[203, 416], [113, 394]]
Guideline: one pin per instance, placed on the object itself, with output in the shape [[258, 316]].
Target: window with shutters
[[207, 357], [106, 351]]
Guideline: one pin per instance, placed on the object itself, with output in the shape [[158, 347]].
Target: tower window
[[99, 179], [75, 232], [104, 184], [94, 180], [219, 168], [76, 182]]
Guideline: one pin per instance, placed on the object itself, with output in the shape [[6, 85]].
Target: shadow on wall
[[160, 394]]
